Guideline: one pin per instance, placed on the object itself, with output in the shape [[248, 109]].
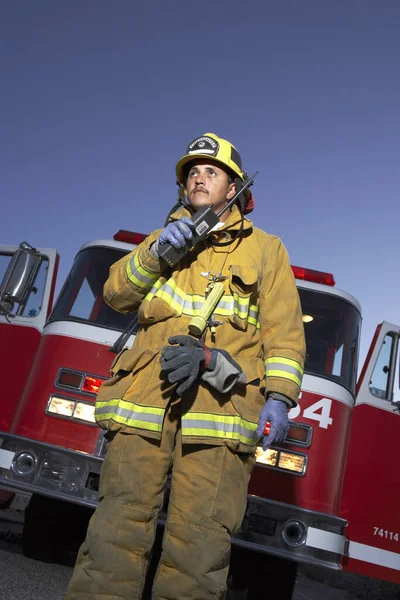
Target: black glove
[[184, 362], [192, 358]]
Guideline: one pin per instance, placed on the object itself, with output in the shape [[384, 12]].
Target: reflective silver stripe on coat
[[191, 304], [138, 275], [285, 368]]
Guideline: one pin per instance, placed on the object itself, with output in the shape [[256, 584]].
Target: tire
[[261, 575], [54, 530]]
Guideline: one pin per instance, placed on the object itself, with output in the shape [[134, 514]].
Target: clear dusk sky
[[98, 99]]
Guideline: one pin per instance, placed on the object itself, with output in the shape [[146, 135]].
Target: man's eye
[[211, 172], [192, 173]]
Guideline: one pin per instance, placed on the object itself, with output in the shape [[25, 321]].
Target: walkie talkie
[[204, 220]]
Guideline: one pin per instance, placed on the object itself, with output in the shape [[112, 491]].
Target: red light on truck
[[313, 276], [130, 237], [91, 384], [79, 382]]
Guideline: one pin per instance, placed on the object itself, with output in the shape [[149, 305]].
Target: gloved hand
[[276, 412], [185, 361], [177, 232]]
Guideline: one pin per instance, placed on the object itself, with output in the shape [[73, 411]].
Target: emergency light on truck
[[313, 276], [91, 384], [129, 237], [81, 382], [133, 237]]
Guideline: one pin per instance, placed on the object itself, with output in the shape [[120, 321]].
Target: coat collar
[[230, 227]]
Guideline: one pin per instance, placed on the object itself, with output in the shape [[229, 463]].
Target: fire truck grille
[[259, 524]]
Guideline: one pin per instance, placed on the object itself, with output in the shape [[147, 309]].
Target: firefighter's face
[[209, 184]]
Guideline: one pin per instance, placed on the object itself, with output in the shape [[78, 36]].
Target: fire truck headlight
[[266, 457], [281, 460], [61, 406], [85, 412], [292, 462]]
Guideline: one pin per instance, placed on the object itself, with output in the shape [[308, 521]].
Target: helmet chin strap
[[181, 201]]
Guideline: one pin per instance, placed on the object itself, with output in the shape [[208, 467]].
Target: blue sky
[[98, 99]]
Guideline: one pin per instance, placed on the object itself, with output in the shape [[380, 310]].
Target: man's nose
[[199, 179]]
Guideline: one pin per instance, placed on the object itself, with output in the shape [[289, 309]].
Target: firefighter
[[192, 407]]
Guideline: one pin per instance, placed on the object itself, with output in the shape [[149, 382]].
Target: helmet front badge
[[203, 145]]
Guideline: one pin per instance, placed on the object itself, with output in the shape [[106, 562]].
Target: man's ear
[[231, 191]]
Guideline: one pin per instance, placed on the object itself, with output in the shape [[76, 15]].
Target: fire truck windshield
[[81, 298], [332, 328]]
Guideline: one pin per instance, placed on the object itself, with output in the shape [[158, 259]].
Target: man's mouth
[[202, 190]]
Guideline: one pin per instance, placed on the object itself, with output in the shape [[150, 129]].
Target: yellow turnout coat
[[261, 328]]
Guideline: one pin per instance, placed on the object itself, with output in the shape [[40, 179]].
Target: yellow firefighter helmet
[[211, 146]]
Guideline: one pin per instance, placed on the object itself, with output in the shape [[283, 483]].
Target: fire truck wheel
[[280, 576], [54, 530], [256, 573]]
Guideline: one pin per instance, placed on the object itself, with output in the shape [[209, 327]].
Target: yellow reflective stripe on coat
[[208, 425], [278, 366], [191, 304], [130, 414], [240, 306], [138, 275]]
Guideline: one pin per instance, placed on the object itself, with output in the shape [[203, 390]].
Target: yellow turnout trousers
[[206, 506]]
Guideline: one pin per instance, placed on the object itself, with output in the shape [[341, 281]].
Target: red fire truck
[[328, 496]]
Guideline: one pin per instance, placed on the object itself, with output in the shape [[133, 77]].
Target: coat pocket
[[131, 372], [164, 301], [127, 366], [243, 284], [122, 362]]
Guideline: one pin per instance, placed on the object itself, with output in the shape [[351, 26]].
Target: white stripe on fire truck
[[333, 542], [374, 401], [324, 387], [326, 540], [375, 556], [25, 322], [82, 331]]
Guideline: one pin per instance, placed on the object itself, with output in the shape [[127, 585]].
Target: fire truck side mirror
[[18, 279]]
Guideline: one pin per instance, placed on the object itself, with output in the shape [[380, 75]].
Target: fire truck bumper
[[293, 533], [36, 467], [268, 527]]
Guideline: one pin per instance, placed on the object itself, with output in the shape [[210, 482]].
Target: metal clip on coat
[[198, 323]]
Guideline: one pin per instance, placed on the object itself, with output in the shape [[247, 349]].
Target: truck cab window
[[332, 327], [383, 376], [81, 298], [4, 262], [396, 381], [33, 303]]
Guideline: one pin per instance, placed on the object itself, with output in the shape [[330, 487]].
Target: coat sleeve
[[132, 276], [281, 325]]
